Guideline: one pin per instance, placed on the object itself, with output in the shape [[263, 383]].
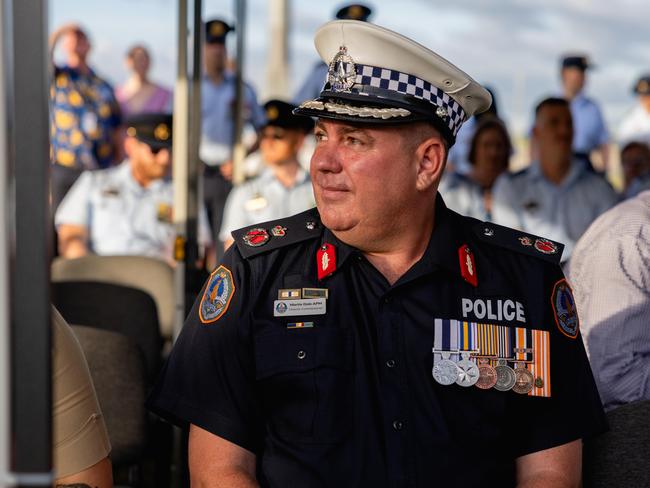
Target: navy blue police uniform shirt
[[347, 397]]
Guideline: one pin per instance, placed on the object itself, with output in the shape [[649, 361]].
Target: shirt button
[[390, 363], [398, 425], [302, 355]]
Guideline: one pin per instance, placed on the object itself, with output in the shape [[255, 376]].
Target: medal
[[523, 379], [256, 237], [505, 376], [487, 375], [445, 341], [445, 370], [467, 369], [468, 372]]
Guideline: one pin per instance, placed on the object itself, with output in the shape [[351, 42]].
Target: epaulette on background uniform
[[518, 241], [274, 234]]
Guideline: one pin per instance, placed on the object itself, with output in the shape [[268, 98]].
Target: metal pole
[[277, 67], [239, 151], [30, 319], [5, 209], [180, 153]]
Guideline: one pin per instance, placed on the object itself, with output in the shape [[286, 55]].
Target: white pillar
[[277, 66]]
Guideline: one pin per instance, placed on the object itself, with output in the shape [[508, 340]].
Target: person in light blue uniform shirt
[[284, 187], [315, 80], [589, 128], [218, 89], [470, 194], [126, 209], [557, 196]]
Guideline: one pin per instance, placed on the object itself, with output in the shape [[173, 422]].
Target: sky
[[514, 46]]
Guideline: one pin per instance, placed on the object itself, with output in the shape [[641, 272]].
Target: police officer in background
[[314, 82], [590, 132], [636, 124], [218, 89], [126, 209], [283, 188], [382, 339]]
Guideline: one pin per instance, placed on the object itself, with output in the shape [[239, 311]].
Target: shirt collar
[[441, 251], [575, 173]]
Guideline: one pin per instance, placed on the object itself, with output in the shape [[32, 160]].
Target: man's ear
[[431, 156]]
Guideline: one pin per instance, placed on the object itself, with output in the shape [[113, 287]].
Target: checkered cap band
[[407, 84]]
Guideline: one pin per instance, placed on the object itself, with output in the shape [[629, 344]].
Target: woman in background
[[490, 150], [139, 94]]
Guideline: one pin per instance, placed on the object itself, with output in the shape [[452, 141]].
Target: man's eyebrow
[[345, 129]]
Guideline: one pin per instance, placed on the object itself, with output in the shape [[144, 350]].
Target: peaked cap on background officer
[[576, 61], [378, 76], [216, 31], [280, 114], [153, 129], [354, 11]]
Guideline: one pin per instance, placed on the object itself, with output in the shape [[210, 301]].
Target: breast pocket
[[305, 379]]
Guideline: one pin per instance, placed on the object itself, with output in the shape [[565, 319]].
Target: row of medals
[[483, 375]]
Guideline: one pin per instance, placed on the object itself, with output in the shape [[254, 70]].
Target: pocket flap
[[302, 350]]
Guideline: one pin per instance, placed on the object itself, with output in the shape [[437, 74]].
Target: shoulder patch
[[267, 236], [564, 309], [518, 241], [217, 295]]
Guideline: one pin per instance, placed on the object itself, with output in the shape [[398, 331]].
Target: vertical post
[[277, 69], [30, 319], [239, 152], [180, 154], [5, 209]]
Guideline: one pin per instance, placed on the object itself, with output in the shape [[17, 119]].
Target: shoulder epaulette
[[518, 241], [274, 234]]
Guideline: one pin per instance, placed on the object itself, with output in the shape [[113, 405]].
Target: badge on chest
[[493, 309]]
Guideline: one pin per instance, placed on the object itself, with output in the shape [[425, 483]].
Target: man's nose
[[326, 158]]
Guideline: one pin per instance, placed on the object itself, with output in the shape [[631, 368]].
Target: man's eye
[[354, 141], [320, 136]]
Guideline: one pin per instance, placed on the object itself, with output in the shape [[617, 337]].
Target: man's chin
[[336, 220]]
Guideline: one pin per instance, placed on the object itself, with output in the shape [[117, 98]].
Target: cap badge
[[217, 29], [272, 113], [256, 237], [643, 86], [342, 72], [441, 112], [161, 132]]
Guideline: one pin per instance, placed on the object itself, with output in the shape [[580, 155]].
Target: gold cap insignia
[[355, 12], [272, 113], [217, 29], [161, 132], [131, 132]]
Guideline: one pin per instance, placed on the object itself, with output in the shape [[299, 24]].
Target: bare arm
[[215, 462], [558, 467], [73, 240], [98, 476]]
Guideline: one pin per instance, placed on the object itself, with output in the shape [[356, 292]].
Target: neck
[[394, 254], [78, 63], [571, 94], [555, 169], [216, 76], [286, 172], [137, 81], [138, 176]]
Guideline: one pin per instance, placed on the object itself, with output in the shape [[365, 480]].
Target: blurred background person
[[126, 209], [610, 276], [636, 124], [635, 161], [557, 196], [284, 187], [315, 80], [458, 159], [489, 153], [84, 114], [139, 94], [589, 128], [218, 88]]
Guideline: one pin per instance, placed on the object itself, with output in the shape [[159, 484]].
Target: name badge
[[285, 308]]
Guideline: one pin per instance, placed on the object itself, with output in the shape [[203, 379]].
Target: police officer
[[636, 125], [126, 209], [218, 88], [557, 195], [314, 82], [590, 131], [382, 339], [284, 187]]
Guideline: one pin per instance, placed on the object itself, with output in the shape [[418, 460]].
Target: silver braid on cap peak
[[342, 109]]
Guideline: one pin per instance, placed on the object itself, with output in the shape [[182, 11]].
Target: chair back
[[116, 308], [117, 369], [152, 275]]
